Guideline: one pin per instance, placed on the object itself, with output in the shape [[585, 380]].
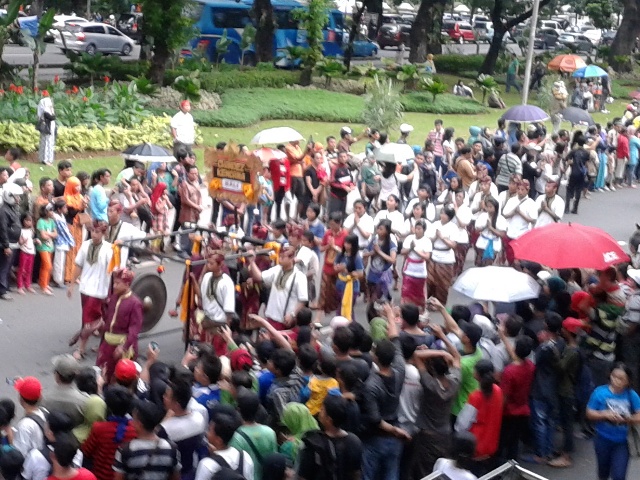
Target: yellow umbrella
[[566, 63]]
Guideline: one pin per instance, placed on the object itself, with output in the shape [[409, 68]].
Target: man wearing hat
[[550, 205], [29, 432], [183, 128], [91, 268], [65, 397], [346, 139], [122, 324], [405, 130]]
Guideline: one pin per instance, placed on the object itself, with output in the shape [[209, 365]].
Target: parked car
[[608, 37], [393, 35], [594, 35], [458, 31], [576, 43], [363, 47], [551, 24], [546, 38], [59, 22], [93, 37], [131, 25], [481, 28]]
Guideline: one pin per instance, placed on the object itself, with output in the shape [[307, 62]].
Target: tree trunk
[[161, 55], [425, 31], [265, 27], [626, 37], [490, 60], [348, 53]]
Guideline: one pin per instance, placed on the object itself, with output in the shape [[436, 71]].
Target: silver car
[[93, 37]]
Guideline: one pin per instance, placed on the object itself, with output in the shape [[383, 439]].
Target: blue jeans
[[511, 82], [381, 458], [613, 458], [543, 426]]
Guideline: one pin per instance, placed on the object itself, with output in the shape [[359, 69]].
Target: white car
[[594, 35], [59, 22]]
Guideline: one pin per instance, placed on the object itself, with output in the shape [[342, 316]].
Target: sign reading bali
[[233, 175]]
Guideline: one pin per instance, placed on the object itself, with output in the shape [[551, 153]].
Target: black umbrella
[[577, 116], [148, 152]]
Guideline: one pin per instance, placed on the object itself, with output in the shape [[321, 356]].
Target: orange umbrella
[[566, 63]]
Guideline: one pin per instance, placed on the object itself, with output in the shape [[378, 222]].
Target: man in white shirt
[[360, 223], [288, 289], [92, 265], [306, 259], [217, 292], [29, 432], [119, 231], [521, 213], [485, 189], [183, 128], [550, 205]]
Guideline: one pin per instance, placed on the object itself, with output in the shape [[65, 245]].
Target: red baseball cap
[[572, 325], [29, 388], [126, 370], [240, 359]]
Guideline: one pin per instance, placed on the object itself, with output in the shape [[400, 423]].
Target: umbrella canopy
[[566, 63], [394, 153], [572, 245], [462, 9], [575, 116], [267, 154], [148, 152], [276, 135], [590, 71], [525, 113], [496, 284]]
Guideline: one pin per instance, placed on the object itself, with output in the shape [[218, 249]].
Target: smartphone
[[194, 348], [153, 345]]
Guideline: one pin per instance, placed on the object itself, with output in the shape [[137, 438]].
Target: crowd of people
[[267, 392]]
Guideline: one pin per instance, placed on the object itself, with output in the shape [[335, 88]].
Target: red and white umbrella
[[267, 154]]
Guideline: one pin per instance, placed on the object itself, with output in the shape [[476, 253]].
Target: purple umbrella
[[525, 113]]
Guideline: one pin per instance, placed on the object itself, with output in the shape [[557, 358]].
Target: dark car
[[546, 38], [131, 25], [575, 43], [608, 37], [393, 35]]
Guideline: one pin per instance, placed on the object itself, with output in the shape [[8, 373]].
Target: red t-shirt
[[83, 474], [516, 386], [330, 254], [101, 447], [486, 428], [280, 173]]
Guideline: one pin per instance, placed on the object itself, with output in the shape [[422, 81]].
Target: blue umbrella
[[590, 71], [525, 113]]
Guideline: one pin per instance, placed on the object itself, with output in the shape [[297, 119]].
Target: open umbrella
[[572, 245], [577, 116], [566, 63], [148, 152], [267, 154], [496, 284], [525, 113], [276, 135], [590, 71], [394, 153]]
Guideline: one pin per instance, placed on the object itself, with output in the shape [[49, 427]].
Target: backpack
[[324, 452], [226, 472]]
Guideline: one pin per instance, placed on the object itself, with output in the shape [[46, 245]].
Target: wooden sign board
[[233, 176]]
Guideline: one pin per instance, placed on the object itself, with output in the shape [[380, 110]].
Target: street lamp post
[[532, 39]]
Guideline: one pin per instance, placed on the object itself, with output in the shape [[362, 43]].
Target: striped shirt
[[101, 447], [147, 460], [436, 140]]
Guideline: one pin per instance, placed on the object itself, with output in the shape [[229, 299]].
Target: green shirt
[[468, 383], [513, 67], [45, 225], [264, 441]]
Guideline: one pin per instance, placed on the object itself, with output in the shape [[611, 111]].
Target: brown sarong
[[439, 280]]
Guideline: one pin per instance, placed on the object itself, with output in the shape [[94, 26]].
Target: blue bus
[[213, 17]]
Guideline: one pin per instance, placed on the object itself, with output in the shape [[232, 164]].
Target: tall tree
[[501, 25], [167, 26], [626, 37], [425, 33], [262, 12]]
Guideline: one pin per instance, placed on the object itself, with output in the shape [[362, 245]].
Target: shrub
[[455, 63], [382, 106], [422, 102], [224, 80]]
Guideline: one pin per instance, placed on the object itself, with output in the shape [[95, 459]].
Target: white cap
[[345, 130], [406, 128], [634, 274], [339, 321]]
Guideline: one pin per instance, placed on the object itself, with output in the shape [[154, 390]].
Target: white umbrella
[[406, 6], [461, 9], [394, 153], [496, 284], [276, 135]]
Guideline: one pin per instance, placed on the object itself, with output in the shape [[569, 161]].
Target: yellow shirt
[[319, 388]]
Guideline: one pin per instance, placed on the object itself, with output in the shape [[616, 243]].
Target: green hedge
[[446, 103], [457, 63], [221, 81]]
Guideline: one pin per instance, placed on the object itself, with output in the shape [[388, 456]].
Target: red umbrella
[[267, 154], [562, 245]]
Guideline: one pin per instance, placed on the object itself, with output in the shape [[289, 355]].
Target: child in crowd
[[62, 243], [47, 233], [322, 384], [27, 254], [160, 206]]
